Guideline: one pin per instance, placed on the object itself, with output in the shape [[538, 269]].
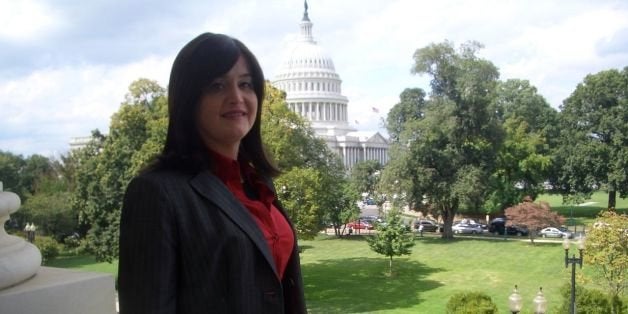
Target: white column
[[331, 113], [350, 156], [318, 111], [327, 113]]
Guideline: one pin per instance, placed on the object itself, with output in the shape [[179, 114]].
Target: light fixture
[[539, 302], [514, 301]]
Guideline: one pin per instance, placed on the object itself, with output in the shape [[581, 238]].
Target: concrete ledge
[[61, 291]]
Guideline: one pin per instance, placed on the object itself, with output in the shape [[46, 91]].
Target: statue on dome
[[305, 17]]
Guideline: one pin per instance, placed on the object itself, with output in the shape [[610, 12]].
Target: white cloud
[[26, 20], [67, 80], [61, 103]]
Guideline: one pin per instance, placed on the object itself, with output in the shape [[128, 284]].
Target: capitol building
[[313, 90]]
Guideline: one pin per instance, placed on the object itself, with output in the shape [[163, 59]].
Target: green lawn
[[596, 203], [82, 262], [345, 276]]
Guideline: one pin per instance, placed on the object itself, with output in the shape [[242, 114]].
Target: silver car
[[467, 228], [551, 232]]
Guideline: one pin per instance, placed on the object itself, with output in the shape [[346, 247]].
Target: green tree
[[10, 166], [342, 208], [313, 185], [594, 136], [49, 208], [524, 161], [364, 177], [33, 179], [289, 138], [522, 166], [396, 186], [299, 191], [108, 163], [35, 167], [392, 238], [20, 175], [607, 249], [447, 156], [411, 106], [518, 99]]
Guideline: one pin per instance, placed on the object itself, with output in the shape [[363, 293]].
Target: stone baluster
[[19, 260]]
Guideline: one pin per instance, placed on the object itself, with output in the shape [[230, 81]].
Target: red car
[[360, 224]]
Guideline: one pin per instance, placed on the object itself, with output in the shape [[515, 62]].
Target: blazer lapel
[[211, 188]]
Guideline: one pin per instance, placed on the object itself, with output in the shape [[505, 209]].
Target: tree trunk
[[390, 265], [448, 219], [611, 198]]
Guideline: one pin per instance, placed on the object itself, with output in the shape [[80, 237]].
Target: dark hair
[[205, 58]]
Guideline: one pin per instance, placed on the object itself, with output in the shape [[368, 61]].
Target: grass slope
[[345, 276]]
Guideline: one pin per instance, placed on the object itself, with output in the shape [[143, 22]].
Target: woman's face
[[227, 111]]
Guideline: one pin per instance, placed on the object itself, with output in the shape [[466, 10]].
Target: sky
[[65, 65]]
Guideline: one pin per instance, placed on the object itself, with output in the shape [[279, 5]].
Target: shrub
[[48, 247], [471, 303], [74, 245], [590, 301]]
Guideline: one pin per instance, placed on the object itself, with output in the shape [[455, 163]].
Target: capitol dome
[[307, 55], [314, 91], [312, 86]]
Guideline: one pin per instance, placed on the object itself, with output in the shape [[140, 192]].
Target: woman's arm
[[147, 277]]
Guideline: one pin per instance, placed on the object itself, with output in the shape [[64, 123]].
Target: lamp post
[[30, 232], [573, 261], [539, 302], [514, 301]]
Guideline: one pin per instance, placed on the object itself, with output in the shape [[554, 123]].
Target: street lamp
[[30, 232], [514, 301], [540, 303], [573, 261]]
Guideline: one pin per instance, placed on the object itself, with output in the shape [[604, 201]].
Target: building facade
[[314, 91]]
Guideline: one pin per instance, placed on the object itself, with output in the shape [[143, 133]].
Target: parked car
[[498, 226], [373, 220], [571, 234], [360, 224], [369, 201], [551, 232], [472, 221], [428, 225], [466, 228]]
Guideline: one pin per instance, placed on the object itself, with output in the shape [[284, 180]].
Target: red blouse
[[272, 223]]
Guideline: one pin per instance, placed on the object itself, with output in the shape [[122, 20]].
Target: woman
[[201, 230]]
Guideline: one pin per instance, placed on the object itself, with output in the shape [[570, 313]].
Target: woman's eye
[[216, 86], [246, 84]]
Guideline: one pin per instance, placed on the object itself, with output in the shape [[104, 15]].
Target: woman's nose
[[234, 93]]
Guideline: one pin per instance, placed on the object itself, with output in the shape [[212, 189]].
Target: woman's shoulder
[[161, 177]]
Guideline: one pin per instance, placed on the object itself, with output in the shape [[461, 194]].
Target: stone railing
[[19, 260]]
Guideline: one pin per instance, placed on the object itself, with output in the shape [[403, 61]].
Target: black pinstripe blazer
[[187, 245]]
